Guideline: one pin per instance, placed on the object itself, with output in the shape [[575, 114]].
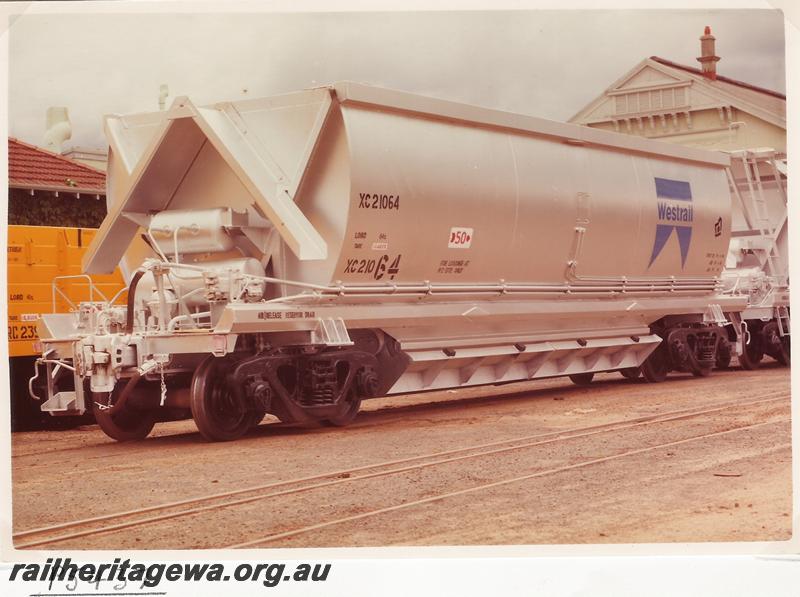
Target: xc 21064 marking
[[378, 267], [378, 201]]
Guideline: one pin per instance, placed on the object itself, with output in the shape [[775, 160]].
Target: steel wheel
[[630, 372], [581, 379], [723, 362], [777, 346], [784, 356], [348, 415], [753, 352], [216, 410], [656, 367], [127, 424], [724, 355]]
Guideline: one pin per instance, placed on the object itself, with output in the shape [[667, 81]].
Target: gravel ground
[[732, 486]]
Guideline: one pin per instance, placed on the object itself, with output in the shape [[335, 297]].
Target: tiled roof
[[721, 78], [32, 167]]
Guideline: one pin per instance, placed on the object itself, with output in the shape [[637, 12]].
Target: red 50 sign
[[460, 238]]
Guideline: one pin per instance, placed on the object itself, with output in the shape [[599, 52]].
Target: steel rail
[[483, 487], [539, 439]]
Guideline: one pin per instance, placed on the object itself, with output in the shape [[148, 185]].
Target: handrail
[[670, 284], [57, 290]]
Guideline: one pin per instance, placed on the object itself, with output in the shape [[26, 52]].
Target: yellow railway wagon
[[37, 255]]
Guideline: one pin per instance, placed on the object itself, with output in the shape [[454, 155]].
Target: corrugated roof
[[721, 78], [32, 167]]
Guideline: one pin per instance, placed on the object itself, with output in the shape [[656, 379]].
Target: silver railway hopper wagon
[[298, 254]]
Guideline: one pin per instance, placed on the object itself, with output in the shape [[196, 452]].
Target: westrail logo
[[675, 213]]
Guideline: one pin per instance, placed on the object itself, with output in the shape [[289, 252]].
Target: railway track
[[136, 518], [315, 527]]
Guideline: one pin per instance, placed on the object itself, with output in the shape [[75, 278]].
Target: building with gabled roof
[[660, 99]]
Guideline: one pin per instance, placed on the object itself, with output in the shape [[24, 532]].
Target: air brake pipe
[[190, 317], [131, 300], [123, 397]]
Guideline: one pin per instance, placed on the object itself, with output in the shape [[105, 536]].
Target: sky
[[544, 63]]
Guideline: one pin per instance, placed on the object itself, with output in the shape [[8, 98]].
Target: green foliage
[[43, 208]]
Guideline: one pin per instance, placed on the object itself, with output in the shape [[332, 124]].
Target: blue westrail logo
[[674, 213]]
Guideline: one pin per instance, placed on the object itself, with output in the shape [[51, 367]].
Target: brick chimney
[[708, 61]]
